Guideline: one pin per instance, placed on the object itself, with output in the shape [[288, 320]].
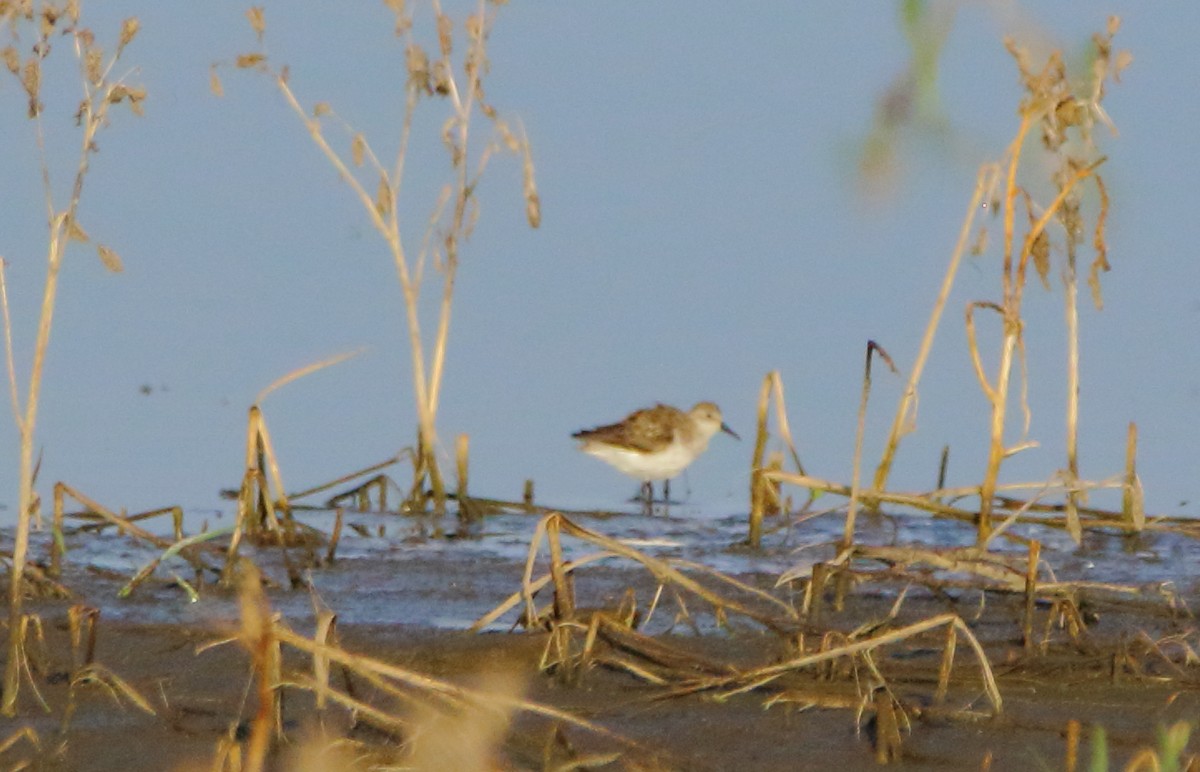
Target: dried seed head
[[441, 78], [257, 21], [507, 137], [445, 26], [1123, 60], [1069, 112], [31, 79], [533, 202], [1021, 57], [50, 16], [93, 65], [137, 96], [247, 61], [396, 6], [475, 27], [481, 100], [73, 11], [383, 197], [111, 260], [129, 30], [1040, 251], [417, 62], [119, 93], [321, 109], [214, 83], [1103, 45], [12, 60], [456, 154], [399, 9], [358, 146], [76, 233], [533, 209]]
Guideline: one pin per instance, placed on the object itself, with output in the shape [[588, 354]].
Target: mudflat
[[675, 698]]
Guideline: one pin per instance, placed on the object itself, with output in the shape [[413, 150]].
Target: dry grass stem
[[100, 94], [932, 503], [309, 369], [1052, 105], [427, 685], [347, 478], [1047, 91], [1031, 589], [185, 548], [758, 492], [756, 678], [177, 548], [459, 84], [1132, 498], [856, 466], [763, 492], [985, 185], [665, 571], [25, 733]]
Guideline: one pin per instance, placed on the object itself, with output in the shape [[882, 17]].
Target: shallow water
[[406, 570]]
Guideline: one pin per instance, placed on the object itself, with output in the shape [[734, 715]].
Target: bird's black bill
[[725, 428]]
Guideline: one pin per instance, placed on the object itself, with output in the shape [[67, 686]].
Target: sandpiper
[[656, 443]]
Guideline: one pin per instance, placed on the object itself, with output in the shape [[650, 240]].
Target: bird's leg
[[666, 492], [647, 497]]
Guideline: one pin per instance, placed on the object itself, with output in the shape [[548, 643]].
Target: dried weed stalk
[[756, 678], [360, 495], [767, 610], [873, 349], [429, 707], [1066, 112], [261, 495], [102, 91], [456, 78], [905, 419], [127, 526], [1054, 104], [764, 491]]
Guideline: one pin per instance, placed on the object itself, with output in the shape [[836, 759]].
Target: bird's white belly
[[660, 465]]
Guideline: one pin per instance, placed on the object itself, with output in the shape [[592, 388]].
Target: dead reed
[[184, 547], [873, 349], [764, 489], [103, 89], [1065, 111], [453, 76], [420, 710], [581, 639], [80, 674], [751, 602], [1052, 104]]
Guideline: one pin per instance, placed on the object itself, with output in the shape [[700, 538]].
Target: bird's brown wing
[[645, 430]]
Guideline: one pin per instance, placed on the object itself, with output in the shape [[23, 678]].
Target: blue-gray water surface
[[392, 569]]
